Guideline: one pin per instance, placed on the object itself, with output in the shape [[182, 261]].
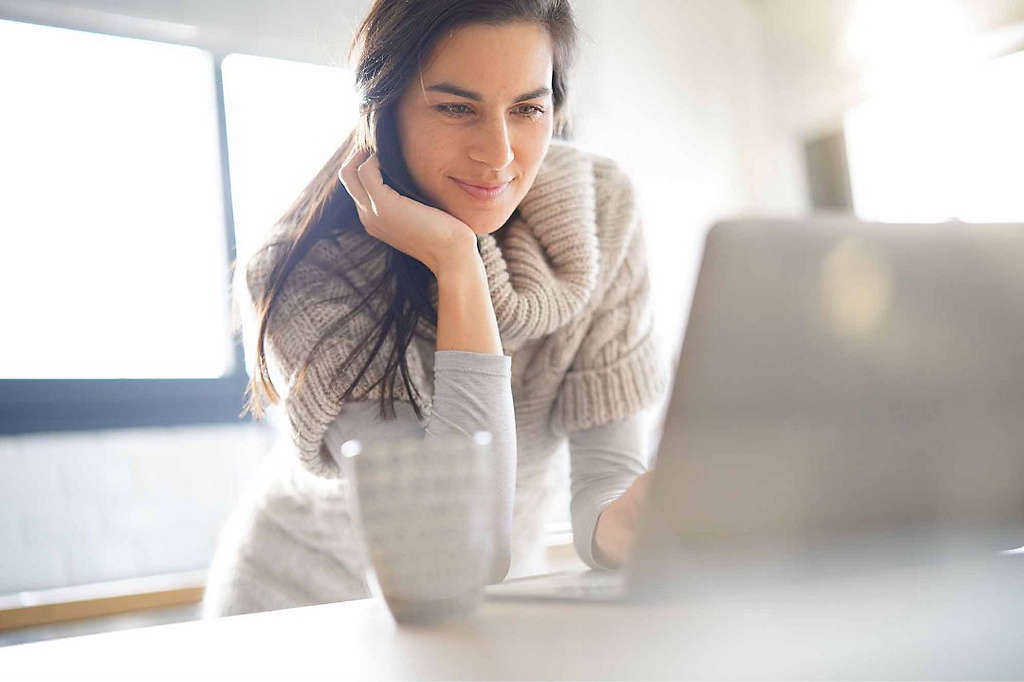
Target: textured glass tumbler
[[425, 509]]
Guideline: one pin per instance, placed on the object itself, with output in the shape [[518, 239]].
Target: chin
[[489, 228], [484, 222]]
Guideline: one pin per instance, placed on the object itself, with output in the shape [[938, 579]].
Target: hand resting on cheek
[[431, 236]]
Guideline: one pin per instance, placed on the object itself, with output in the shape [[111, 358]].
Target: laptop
[[849, 396]]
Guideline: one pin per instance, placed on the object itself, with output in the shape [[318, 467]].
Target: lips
[[483, 192]]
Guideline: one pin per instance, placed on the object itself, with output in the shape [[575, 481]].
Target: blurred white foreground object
[[427, 509]]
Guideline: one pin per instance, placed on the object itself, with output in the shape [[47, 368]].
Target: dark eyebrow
[[477, 97]]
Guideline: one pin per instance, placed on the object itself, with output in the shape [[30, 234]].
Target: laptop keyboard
[[570, 586]]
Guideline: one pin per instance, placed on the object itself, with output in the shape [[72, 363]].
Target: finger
[[373, 183], [350, 179]]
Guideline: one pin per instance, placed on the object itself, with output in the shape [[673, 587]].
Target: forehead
[[492, 58]]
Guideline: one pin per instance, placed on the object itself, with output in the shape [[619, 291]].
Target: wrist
[[460, 256], [465, 313], [461, 279]]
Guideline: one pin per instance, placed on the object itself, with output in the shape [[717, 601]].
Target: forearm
[[605, 460], [473, 392], [465, 315]]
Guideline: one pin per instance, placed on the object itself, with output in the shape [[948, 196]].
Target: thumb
[[640, 488]]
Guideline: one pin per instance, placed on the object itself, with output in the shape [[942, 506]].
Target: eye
[[530, 110], [454, 110]]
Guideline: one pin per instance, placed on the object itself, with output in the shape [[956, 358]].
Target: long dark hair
[[389, 47]]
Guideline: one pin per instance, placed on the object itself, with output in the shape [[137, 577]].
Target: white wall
[[823, 57], [676, 92], [91, 507]]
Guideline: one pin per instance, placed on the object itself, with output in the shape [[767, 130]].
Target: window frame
[[48, 405]]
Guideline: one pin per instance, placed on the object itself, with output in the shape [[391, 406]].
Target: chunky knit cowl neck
[[546, 268], [588, 354]]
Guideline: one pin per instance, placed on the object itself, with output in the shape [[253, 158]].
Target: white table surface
[[857, 627]]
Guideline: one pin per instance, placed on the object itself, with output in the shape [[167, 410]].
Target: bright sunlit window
[[284, 120], [113, 261], [942, 151]]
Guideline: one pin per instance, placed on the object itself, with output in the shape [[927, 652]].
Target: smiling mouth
[[483, 192]]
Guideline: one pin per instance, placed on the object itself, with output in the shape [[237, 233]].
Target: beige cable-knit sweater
[[570, 290], [569, 286]]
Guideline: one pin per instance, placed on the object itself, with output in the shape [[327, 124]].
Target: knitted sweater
[[570, 290]]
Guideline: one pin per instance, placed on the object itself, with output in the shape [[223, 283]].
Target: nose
[[492, 145]]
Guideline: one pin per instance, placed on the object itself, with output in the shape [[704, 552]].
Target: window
[[284, 120], [114, 251], [937, 152], [119, 226]]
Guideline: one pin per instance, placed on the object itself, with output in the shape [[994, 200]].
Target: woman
[[449, 269]]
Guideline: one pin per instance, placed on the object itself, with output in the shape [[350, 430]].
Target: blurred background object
[[148, 143]]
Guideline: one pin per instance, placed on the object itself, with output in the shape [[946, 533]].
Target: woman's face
[[476, 125]]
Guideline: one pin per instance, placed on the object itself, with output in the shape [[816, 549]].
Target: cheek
[[532, 147], [422, 148], [535, 144], [428, 152]]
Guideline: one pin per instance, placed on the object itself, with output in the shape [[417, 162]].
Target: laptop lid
[[847, 392]]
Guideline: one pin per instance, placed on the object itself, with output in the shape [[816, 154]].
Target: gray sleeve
[[604, 461], [472, 392]]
